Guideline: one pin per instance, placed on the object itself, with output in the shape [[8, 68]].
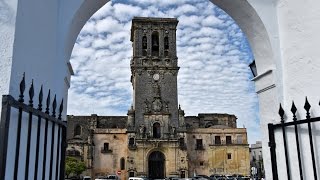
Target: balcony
[[105, 151], [199, 147]]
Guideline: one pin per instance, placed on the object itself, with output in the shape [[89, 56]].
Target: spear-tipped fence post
[[40, 99], [281, 113], [31, 94], [48, 102], [294, 110], [54, 106], [22, 88], [60, 109], [307, 107]]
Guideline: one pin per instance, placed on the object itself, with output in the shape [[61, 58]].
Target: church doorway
[[156, 165]]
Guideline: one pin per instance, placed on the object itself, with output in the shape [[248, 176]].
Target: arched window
[[77, 130], [144, 42], [122, 164], [131, 141], [156, 130], [155, 44]]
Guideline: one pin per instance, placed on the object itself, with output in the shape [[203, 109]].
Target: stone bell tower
[[154, 68]]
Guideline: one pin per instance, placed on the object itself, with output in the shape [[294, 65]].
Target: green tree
[[80, 167], [73, 166]]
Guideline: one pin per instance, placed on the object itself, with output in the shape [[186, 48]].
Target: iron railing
[[48, 159], [282, 126]]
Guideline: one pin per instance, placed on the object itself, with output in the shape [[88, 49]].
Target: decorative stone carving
[[157, 90], [157, 105], [156, 144], [173, 131], [142, 131], [138, 71], [151, 72], [147, 106], [174, 72]]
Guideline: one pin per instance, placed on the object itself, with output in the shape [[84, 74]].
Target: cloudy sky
[[213, 57]]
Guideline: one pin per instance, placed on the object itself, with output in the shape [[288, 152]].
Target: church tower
[[154, 68], [155, 127]]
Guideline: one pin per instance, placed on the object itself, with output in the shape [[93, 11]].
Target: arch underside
[[241, 11], [252, 26]]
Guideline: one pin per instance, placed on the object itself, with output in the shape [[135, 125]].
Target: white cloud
[[108, 25], [160, 3], [192, 21], [125, 12], [211, 21], [183, 9]]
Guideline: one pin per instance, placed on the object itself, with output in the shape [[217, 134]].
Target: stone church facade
[[156, 139]]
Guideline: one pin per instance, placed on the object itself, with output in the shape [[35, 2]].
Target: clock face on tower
[[156, 77]]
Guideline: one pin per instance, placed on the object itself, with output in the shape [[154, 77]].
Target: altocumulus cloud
[[213, 55]]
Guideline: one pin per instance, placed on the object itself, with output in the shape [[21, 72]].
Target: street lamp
[[253, 68]]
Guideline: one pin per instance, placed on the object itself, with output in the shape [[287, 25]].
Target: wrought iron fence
[[282, 127], [45, 135]]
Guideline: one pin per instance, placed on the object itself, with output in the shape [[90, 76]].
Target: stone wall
[[212, 157]]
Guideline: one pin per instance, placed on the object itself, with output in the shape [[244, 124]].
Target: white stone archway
[[250, 22]]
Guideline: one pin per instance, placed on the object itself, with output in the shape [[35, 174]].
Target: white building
[[256, 158]]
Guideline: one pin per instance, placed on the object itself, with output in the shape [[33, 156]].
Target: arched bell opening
[[155, 44]]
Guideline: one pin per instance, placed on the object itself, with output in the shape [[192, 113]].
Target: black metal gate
[[32, 142], [283, 127]]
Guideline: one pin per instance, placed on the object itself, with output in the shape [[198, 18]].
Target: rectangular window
[[131, 174], [131, 141], [217, 140], [228, 140], [201, 163], [105, 146], [229, 155], [239, 139], [199, 144]]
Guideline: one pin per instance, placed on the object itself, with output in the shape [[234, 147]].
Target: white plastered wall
[[299, 26], [7, 30], [33, 38]]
